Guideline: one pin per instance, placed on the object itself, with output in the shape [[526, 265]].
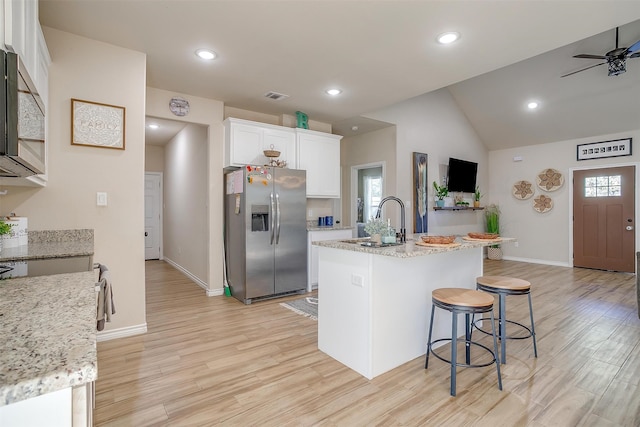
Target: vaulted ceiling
[[383, 52]]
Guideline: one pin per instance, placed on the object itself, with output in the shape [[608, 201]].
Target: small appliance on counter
[[265, 232]]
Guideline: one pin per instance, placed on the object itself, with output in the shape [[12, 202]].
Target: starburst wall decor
[[522, 190], [550, 180]]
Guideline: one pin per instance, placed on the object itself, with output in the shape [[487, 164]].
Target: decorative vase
[[476, 203], [376, 238], [494, 252], [440, 203]]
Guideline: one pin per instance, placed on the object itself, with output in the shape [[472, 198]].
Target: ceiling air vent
[[276, 96]]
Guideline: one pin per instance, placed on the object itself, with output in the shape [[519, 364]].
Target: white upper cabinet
[[23, 36], [245, 142], [319, 155]]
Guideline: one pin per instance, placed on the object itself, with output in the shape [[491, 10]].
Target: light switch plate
[[101, 199]]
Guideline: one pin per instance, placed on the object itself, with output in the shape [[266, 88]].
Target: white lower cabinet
[[319, 155], [312, 251]]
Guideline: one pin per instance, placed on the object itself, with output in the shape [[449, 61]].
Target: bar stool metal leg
[[495, 350], [433, 309], [502, 325], [533, 330], [454, 350]]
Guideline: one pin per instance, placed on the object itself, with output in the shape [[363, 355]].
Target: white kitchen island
[[374, 304]]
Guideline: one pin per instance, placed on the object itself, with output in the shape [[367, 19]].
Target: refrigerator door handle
[[278, 219], [273, 213]]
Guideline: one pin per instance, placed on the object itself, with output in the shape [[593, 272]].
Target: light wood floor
[[214, 361]]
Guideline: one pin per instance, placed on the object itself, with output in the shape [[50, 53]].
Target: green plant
[[477, 194], [441, 191], [376, 226], [4, 228], [492, 215]]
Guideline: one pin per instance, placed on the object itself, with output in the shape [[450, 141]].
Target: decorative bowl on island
[[438, 240]]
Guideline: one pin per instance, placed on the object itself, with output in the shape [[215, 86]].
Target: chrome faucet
[[403, 231]]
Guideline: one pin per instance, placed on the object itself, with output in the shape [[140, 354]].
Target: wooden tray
[[438, 245], [471, 239]]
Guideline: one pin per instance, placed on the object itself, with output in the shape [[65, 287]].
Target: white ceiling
[[380, 53]]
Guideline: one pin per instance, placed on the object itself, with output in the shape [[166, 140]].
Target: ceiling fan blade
[[634, 47], [583, 69], [635, 55], [586, 56]]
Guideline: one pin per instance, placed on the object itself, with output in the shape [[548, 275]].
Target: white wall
[[433, 124], [543, 237], [154, 158], [186, 241], [85, 69], [371, 147], [207, 112]]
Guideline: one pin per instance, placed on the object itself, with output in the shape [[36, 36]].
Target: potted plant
[[441, 193], [492, 216], [476, 197], [4, 229], [376, 228]]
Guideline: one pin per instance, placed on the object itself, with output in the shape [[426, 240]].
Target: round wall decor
[[542, 203], [179, 106], [550, 180], [522, 190]]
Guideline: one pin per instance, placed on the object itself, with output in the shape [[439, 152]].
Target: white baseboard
[[129, 331], [537, 261], [198, 281]]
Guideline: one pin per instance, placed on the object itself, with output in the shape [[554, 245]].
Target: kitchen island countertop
[[48, 334], [407, 250]]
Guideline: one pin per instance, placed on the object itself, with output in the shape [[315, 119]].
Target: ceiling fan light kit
[[615, 59]]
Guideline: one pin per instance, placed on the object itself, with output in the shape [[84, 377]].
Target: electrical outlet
[[357, 280]]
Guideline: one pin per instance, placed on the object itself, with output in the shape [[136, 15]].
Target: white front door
[[152, 214]]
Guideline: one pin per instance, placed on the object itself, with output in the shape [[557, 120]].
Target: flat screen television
[[462, 176]]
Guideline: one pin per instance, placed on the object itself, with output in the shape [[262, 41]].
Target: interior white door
[[152, 214]]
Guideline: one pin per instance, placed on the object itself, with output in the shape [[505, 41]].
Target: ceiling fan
[[616, 59]]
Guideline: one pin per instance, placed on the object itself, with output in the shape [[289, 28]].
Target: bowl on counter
[[438, 240]]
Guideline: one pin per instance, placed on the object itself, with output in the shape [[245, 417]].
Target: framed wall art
[[599, 150], [97, 125], [420, 191]]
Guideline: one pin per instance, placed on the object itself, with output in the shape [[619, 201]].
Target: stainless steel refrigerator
[[265, 232]]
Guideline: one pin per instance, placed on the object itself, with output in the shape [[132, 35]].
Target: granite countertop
[[51, 244], [406, 250], [333, 227], [48, 334]]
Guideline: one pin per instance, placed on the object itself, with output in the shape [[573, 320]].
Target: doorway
[[367, 188], [152, 215], [604, 218]]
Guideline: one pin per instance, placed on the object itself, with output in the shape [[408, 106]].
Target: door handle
[[629, 227], [278, 219], [146, 234], [273, 212]]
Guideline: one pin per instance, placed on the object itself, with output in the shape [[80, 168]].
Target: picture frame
[[420, 192], [600, 150], [97, 125]]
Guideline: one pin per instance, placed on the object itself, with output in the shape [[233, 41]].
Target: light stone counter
[[407, 250], [48, 334], [51, 244]]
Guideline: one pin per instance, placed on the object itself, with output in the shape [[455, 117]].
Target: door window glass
[[603, 186]]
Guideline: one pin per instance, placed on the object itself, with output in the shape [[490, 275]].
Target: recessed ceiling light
[[206, 54], [354, 128], [334, 92], [153, 126], [532, 105], [448, 37]]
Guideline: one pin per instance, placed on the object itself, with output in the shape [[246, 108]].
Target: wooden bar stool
[[504, 286], [467, 302]]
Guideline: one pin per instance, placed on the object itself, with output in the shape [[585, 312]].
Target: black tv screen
[[462, 176]]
